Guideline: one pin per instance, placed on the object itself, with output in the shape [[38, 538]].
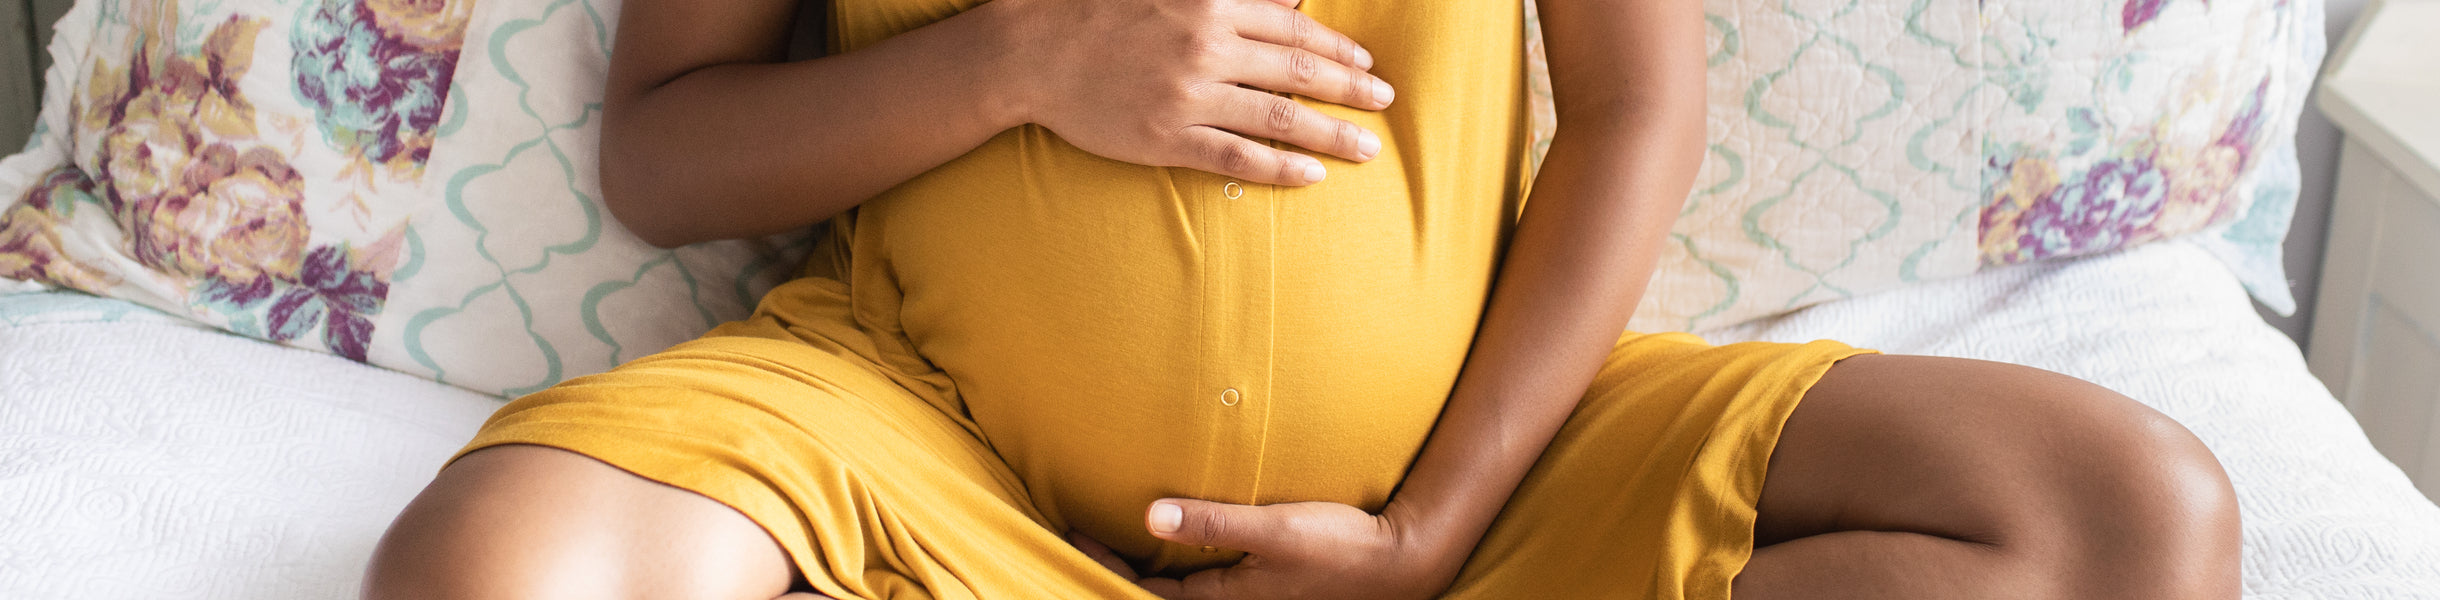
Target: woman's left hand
[[1298, 550]]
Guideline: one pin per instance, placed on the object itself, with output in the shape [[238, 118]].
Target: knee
[[465, 539], [2148, 510], [527, 522], [438, 548]]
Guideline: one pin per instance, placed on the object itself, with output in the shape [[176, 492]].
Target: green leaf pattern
[[1852, 143], [518, 278]]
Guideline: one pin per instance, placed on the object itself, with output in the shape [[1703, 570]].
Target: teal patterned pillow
[[1861, 146], [408, 183]]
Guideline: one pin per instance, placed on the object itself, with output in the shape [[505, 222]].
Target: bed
[[229, 468], [145, 455]]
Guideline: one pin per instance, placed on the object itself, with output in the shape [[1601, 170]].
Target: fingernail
[[1382, 93], [1364, 59], [1313, 173], [1368, 144], [1166, 517]]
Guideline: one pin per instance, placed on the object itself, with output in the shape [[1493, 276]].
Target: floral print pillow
[[1857, 147], [189, 190], [283, 169]]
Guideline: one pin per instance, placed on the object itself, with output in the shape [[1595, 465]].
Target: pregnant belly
[[1124, 333]]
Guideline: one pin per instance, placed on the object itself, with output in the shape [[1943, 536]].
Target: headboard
[[25, 29]]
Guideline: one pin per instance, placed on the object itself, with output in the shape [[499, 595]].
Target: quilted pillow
[[1862, 146], [408, 183]]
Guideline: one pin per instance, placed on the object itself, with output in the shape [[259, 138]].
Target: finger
[[1101, 554], [1288, 3], [1163, 587], [1284, 26], [1250, 529], [1269, 116], [1218, 584], [1232, 155], [1294, 70]]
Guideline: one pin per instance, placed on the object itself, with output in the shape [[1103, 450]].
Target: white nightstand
[[2376, 333]]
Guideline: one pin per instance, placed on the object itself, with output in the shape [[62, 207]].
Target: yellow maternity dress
[[1031, 339]]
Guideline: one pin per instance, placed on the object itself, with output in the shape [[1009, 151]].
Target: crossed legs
[[1897, 477]]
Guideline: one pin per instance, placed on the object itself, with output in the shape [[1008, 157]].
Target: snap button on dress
[[1229, 397], [1232, 190]]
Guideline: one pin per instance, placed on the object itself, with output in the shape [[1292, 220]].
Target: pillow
[[408, 183], [1858, 147]]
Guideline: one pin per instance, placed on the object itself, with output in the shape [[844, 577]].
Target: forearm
[[752, 148], [1576, 266], [1627, 77]]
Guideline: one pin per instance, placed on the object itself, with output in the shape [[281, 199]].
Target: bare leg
[[535, 522], [1918, 477]]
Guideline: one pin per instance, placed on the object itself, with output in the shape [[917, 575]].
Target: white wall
[[2317, 148]]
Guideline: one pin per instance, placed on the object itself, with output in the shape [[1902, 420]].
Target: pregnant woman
[[1251, 299]]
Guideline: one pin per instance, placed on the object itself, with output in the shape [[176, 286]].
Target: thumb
[[1249, 529]]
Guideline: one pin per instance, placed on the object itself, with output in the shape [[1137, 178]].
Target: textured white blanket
[[140, 458]]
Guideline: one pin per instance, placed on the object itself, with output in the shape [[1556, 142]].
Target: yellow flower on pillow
[[29, 234], [427, 24]]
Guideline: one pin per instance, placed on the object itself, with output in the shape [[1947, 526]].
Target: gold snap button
[[1233, 190], [1209, 549], [1229, 397]]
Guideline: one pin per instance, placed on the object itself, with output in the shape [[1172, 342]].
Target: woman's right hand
[[1184, 83]]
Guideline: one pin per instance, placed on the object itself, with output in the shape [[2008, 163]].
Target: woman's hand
[[709, 132], [1298, 550], [1180, 83]]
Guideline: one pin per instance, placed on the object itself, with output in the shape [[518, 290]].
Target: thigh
[[865, 488]]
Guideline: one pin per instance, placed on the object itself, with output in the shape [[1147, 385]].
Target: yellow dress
[[1032, 339]]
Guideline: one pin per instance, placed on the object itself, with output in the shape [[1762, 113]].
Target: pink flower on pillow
[[2175, 177], [237, 217], [142, 154]]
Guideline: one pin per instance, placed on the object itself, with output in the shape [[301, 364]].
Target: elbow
[[636, 207], [633, 190], [629, 192], [642, 223]]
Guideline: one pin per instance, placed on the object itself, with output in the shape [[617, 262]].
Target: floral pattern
[[2162, 183], [2142, 160], [1852, 150], [401, 182], [2138, 12], [376, 73], [29, 234], [181, 171]]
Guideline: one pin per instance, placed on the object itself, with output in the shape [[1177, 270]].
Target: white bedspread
[[140, 458], [143, 458]]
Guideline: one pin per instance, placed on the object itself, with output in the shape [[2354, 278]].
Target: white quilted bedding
[[140, 458]]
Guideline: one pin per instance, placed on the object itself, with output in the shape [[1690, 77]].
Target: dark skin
[[1581, 254], [708, 133], [1896, 476]]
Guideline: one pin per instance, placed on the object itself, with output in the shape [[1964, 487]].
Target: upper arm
[[661, 40], [1614, 58]]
